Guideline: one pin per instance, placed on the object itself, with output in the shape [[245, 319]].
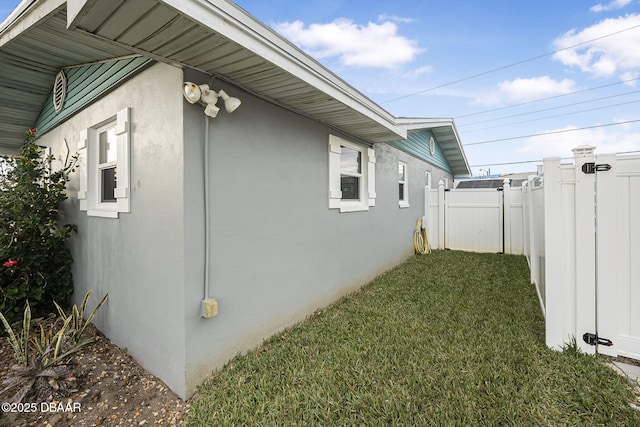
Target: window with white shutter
[[104, 166]]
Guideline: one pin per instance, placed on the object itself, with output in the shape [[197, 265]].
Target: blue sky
[[523, 80]]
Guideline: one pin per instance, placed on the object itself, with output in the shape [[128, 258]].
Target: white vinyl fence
[[579, 227], [590, 283], [477, 220], [533, 229]]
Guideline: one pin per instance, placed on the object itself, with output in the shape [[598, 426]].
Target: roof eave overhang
[[317, 92], [447, 135], [374, 124], [27, 14]]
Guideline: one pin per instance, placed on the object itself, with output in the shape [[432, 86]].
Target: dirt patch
[[112, 389]]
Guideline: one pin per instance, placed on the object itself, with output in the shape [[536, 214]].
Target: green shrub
[[35, 262]]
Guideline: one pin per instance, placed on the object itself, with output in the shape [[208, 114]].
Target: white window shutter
[[82, 168], [123, 133], [371, 170], [335, 195]]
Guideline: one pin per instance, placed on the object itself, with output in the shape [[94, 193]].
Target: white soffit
[[219, 38]]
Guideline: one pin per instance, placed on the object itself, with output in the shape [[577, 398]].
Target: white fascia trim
[[25, 15], [237, 25], [464, 155], [413, 123]]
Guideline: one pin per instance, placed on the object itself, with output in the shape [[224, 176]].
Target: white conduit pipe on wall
[[207, 213], [208, 306], [204, 95]]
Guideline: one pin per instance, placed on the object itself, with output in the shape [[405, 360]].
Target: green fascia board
[[417, 145], [86, 84]]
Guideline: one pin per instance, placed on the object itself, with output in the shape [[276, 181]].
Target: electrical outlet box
[[209, 308]]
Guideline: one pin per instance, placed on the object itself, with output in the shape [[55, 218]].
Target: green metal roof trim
[[417, 144], [86, 84]]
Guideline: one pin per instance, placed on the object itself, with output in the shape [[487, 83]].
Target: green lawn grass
[[449, 338]]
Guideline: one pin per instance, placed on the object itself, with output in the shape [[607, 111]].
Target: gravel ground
[[112, 389]]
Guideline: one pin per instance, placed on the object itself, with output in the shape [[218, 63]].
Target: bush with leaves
[[44, 358], [35, 262]]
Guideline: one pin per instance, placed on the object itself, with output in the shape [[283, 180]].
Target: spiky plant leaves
[[23, 391], [44, 359], [91, 315], [78, 323], [26, 326], [13, 340]]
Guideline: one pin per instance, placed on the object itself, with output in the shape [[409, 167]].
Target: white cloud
[[606, 141], [523, 90], [615, 4], [399, 19], [373, 45], [412, 74], [631, 77], [599, 53]]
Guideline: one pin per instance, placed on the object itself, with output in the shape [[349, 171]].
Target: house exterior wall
[[138, 257], [277, 251]]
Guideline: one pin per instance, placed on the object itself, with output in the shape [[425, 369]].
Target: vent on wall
[[59, 91], [432, 146]]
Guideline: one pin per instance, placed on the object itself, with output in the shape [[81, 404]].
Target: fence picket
[[557, 308], [607, 254], [585, 248], [507, 218]]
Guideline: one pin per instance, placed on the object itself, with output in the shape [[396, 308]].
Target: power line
[[540, 160], [549, 109], [550, 133], [507, 66], [548, 98], [554, 116]]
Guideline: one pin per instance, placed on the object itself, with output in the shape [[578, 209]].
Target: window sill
[[353, 207], [403, 205], [103, 213]]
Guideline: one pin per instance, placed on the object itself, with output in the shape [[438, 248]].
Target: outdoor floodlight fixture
[[204, 95]]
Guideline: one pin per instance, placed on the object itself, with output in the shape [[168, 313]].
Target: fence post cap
[[583, 150]]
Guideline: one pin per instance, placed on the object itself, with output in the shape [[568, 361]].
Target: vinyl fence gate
[[591, 288], [476, 220]]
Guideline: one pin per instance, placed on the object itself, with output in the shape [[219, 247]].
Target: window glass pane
[[108, 146], [401, 191], [350, 187], [108, 181], [400, 172], [350, 160]]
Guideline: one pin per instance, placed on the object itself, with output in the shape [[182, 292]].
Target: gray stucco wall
[[278, 252], [137, 258]]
